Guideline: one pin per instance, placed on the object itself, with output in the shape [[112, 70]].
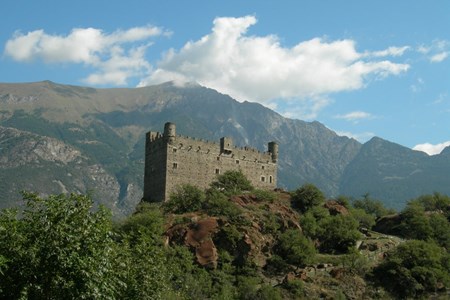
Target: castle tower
[[273, 149], [226, 145], [170, 132]]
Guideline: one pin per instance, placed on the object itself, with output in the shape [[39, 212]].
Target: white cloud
[[259, 68], [90, 46], [437, 51], [439, 57], [391, 51], [355, 116], [431, 149]]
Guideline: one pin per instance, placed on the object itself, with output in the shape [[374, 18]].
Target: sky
[[362, 68]]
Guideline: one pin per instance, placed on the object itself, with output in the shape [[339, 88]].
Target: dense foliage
[[62, 247], [415, 268], [58, 249]]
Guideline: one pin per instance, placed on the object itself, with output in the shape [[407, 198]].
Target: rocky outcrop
[[335, 208], [197, 235]]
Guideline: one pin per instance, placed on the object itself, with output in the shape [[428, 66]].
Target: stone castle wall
[[172, 160]]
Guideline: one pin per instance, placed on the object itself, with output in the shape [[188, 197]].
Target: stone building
[[171, 160]]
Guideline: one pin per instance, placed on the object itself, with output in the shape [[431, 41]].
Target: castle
[[172, 160]]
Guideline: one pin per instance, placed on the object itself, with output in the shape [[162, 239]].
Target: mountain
[[101, 134], [394, 173]]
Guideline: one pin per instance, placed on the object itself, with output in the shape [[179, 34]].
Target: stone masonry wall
[[183, 160]]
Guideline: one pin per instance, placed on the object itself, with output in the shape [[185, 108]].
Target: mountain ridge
[[108, 127]]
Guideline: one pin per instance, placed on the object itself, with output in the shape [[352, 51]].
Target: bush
[[232, 183], [276, 265], [264, 195], [185, 198], [364, 219], [217, 204], [414, 269], [307, 197], [372, 206], [295, 288], [295, 248], [338, 233]]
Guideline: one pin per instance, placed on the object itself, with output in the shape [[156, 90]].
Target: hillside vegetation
[[228, 242]]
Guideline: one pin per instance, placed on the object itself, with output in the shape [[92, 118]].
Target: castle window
[[237, 161], [262, 167], [270, 179], [217, 171], [263, 179], [218, 157], [174, 150], [175, 165]]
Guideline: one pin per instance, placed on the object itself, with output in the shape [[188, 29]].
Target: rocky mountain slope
[[103, 130]]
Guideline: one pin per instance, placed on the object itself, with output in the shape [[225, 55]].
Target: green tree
[[307, 197], [415, 223], [185, 198], [372, 206], [338, 233], [60, 248], [295, 248], [364, 219], [232, 183], [414, 269]]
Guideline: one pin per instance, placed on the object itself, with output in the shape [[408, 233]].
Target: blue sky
[[364, 69]]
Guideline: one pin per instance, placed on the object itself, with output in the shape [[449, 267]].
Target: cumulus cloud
[[259, 68], [431, 149], [355, 116], [107, 53]]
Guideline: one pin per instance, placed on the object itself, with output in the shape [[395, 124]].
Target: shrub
[[217, 204], [307, 197], [338, 233], [364, 219], [185, 198], [232, 183], [414, 269], [264, 195], [295, 248], [372, 206]]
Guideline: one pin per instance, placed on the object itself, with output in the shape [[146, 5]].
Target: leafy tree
[[307, 197], [415, 268], [295, 248], [217, 204], [309, 224], [60, 248], [185, 198], [364, 219], [232, 183], [372, 206], [415, 223], [434, 202], [338, 233], [440, 227], [143, 261]]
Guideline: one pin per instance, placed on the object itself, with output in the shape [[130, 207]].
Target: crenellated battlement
[[172, 159]]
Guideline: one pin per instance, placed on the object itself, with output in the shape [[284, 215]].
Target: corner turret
[[170, 132], [273, 149]]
